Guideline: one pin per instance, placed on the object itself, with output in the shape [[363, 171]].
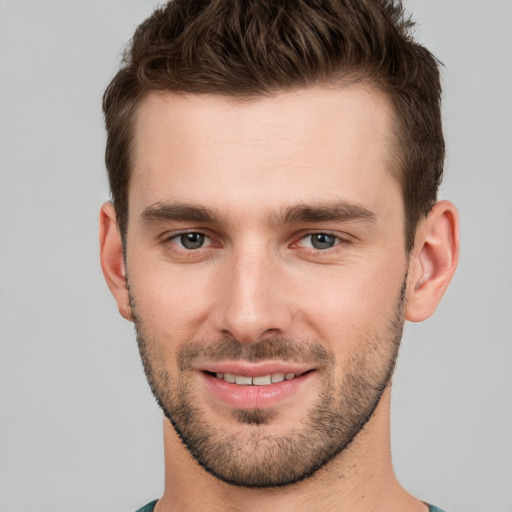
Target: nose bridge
[[251, 305]]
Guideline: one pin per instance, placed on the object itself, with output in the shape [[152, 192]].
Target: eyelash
[[173, 238], [337, 241]]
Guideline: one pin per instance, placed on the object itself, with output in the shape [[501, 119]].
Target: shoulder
[[148, 508], [432, 508]]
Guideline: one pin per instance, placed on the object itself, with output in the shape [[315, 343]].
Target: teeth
[[263, 380]]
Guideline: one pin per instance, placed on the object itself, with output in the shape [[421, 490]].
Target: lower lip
[[254, 397]]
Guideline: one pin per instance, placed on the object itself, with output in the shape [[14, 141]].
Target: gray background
[[79, 429]]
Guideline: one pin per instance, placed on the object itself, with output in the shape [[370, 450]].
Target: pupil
[[322, 241], [192, 240]]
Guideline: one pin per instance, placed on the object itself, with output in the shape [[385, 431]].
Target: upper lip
[[254, 369]]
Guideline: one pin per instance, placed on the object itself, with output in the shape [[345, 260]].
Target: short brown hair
[[252, 48]]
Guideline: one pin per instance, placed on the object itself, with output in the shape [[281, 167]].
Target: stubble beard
[[252, 456]]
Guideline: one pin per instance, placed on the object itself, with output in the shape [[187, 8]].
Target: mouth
[[261, 380], [256, 386]]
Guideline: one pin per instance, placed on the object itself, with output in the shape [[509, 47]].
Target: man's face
[[265, 246]]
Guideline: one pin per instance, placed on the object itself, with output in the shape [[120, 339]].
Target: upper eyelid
[[340, 241], [343, 238], [173, 239], [167, 238], [175, 234], [337, 237]]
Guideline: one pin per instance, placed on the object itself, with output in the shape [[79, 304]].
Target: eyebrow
[[339, 211], [163, 212]]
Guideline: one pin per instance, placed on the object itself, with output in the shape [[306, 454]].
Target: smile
[[255, 388], [263, 380]]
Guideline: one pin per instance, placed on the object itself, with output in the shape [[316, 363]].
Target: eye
[[320, 241], [190, 241]]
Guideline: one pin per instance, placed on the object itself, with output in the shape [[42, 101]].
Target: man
[[274, 168]]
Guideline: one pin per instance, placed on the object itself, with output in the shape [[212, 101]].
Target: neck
[[360, 479]]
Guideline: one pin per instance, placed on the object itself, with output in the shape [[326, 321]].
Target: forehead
[[310, 144]]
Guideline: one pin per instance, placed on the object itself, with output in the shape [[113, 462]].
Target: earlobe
[[433, 261], [112, 259]]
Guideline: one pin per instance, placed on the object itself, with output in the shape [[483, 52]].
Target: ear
[[112, 260], [433, 261]]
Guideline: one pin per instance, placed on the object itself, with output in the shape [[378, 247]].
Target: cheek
[[335, 304], [172, 304], [352, 303]]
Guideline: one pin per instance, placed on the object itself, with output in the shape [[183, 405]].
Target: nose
[[251, 303]]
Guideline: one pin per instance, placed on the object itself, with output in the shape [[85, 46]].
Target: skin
[[259, 277]]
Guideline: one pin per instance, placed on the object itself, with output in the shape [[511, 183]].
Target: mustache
[[275, 348]]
